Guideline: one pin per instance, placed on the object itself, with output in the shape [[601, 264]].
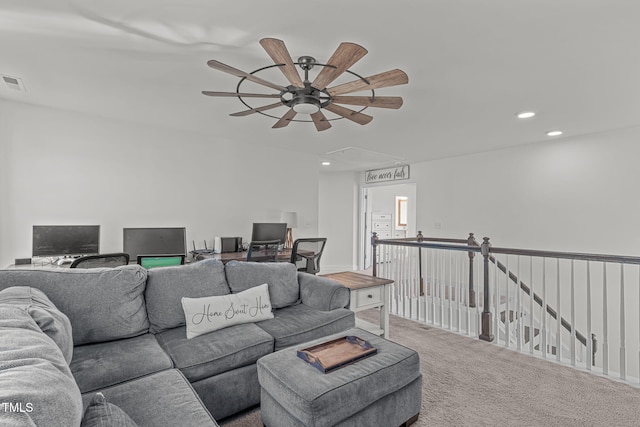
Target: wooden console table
[[367, 292]]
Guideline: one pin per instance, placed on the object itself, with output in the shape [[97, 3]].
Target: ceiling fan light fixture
[[303, 96], [305, 104]]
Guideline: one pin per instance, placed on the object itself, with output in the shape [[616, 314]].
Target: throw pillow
[[209, 314], [101, 413]]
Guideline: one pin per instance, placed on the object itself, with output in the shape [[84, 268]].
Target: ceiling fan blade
[[286, 119], [344, 57], [216, 65], [256, 110], [386, 79], [394, 102], [320, 121], [354, 116], [280, 55], [245, 95]]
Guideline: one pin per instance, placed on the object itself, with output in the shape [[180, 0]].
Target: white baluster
[[531, 316], [458, 289], [433, 285], [623, 349], [573, 318], [558, 315], [415, 279], [589, 340], [507, 314], [440, 280], [543, 336], [424, 259], [479, 301], [496, 302], [519, 323], [605, 325], [449, 288]]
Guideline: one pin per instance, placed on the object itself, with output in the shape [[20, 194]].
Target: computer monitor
[[269, 231], [65, 240], [154, 241]]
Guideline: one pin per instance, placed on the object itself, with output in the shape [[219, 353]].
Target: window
[[401, 212]]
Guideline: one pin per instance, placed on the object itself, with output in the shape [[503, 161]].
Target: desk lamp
[[291, 218]]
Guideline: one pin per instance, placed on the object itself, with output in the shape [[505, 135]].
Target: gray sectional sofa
[[130, 344]]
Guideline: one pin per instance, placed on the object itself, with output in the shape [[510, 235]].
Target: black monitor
[[65, 240], [269, 231], [154, 241]]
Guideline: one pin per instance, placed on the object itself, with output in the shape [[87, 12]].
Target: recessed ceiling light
[[525, 114], [326, 163], [554, 133]]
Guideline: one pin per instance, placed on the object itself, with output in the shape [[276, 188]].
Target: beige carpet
[[467, 382]]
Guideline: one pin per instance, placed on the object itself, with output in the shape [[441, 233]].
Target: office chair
[[263, 251], [152, 261], [102, 260], [306, 254]]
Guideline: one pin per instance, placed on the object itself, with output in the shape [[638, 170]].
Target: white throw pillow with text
[[209, 314]]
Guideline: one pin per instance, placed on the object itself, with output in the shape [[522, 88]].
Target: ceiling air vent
[[14, 83]]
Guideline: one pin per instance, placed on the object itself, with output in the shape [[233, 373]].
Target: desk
[[283, 256], [225, 257], [38, 266], [367, 292]]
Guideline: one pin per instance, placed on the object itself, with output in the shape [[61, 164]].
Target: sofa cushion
[[219, 351], [95, 366], [239, 387], [103, 304], [34, 376], [300, 323], [101, 413], [209, 314], [49, 319], [167, 285], [162, 399], [280, 276]]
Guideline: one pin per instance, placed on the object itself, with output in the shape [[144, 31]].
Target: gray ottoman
[[384, 389]]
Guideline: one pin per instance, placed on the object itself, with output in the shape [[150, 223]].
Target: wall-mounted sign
[[397, 173]]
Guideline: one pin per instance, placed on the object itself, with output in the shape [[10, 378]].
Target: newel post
[[471, 241], [374, 248], [486, 312]]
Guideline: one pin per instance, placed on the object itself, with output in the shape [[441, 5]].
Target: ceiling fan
[[312, 97]]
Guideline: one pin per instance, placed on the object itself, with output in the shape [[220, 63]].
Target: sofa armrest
[[322, 293]]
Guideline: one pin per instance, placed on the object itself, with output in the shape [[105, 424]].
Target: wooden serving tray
[[334, 354]]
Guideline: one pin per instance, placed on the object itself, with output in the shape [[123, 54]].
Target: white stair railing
[[548, 304]]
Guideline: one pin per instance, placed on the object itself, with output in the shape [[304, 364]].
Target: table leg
[[384, 311]]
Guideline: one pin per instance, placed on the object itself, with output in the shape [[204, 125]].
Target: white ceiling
[[472, 65]]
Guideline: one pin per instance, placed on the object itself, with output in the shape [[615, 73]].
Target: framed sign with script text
[[396, 173]]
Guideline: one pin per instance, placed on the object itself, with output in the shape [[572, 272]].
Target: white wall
[[5, 187], [65, 168], [338, 220], [573, 194]]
